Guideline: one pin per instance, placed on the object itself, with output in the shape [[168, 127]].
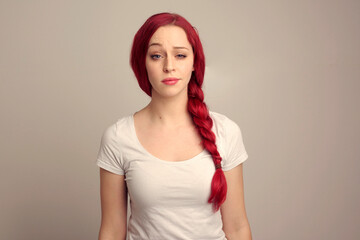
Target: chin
[[169, 93]]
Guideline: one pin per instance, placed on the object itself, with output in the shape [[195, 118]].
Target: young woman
[[180, 163]]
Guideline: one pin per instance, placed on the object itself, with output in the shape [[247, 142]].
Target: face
[[169, 56]]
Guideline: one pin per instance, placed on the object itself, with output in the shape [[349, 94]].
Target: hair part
[[196, 105]]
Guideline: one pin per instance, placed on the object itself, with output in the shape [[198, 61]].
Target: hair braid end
[[218, 189]]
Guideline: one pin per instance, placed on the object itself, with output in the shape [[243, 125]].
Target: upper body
[[177, 160], [168, 194]]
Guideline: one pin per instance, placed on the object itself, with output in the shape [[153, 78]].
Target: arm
[[235, 222], [113, 194]]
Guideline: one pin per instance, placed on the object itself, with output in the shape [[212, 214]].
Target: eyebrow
[[158, 44]]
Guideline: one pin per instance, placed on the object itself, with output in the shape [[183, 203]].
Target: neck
[[169, 112]]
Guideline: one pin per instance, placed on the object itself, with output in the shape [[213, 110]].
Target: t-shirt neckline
[[133, 131]]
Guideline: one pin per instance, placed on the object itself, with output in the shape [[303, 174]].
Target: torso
[[178, 144]]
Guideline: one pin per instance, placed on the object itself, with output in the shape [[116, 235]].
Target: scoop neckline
[[133, 130]]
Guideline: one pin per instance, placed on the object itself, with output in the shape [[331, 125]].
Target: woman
[[180, 163]]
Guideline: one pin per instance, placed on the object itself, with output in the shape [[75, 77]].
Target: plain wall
[[287, 72]]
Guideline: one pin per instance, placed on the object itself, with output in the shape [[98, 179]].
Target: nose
[[168, 65]]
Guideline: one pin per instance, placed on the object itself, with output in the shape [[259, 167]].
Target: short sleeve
[[235, 152], [109, 157]]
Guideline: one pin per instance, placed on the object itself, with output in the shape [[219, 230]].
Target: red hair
[[196, 106]]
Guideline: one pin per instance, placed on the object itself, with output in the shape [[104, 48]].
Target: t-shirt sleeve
[[235, 152], [109, 157]]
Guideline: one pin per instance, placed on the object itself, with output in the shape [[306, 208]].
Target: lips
[[170, 81]]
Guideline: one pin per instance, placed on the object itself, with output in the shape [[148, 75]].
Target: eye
[[181, 56], [155, 56]]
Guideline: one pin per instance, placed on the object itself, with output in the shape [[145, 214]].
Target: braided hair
[[196, 105]]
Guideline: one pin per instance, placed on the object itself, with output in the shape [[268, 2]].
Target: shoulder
[[229, 141], [113, 145], [118, 130], [222, 123]]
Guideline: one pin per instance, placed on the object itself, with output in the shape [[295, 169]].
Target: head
[[164, 26], [141, 42], [170, 55]]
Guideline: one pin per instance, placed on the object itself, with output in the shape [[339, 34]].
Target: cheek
[[150, 68], [188, 68]]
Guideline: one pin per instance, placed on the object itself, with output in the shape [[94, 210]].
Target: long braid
[[204, 123]]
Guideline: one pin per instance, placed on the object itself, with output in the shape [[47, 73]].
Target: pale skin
[[167, 120]]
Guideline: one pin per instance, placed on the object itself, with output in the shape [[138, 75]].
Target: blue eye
[[181, 56], [155, 56]]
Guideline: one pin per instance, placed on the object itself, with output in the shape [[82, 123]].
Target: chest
[[156, 183], [170, 145]]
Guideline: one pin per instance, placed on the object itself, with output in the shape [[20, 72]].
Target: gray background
[[286, 71]]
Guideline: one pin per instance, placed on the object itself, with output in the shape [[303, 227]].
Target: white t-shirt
[[168, 200]]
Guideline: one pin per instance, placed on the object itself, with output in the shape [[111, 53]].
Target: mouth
[[170, 81]]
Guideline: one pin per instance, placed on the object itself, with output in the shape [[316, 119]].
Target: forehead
[[170, 35]]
